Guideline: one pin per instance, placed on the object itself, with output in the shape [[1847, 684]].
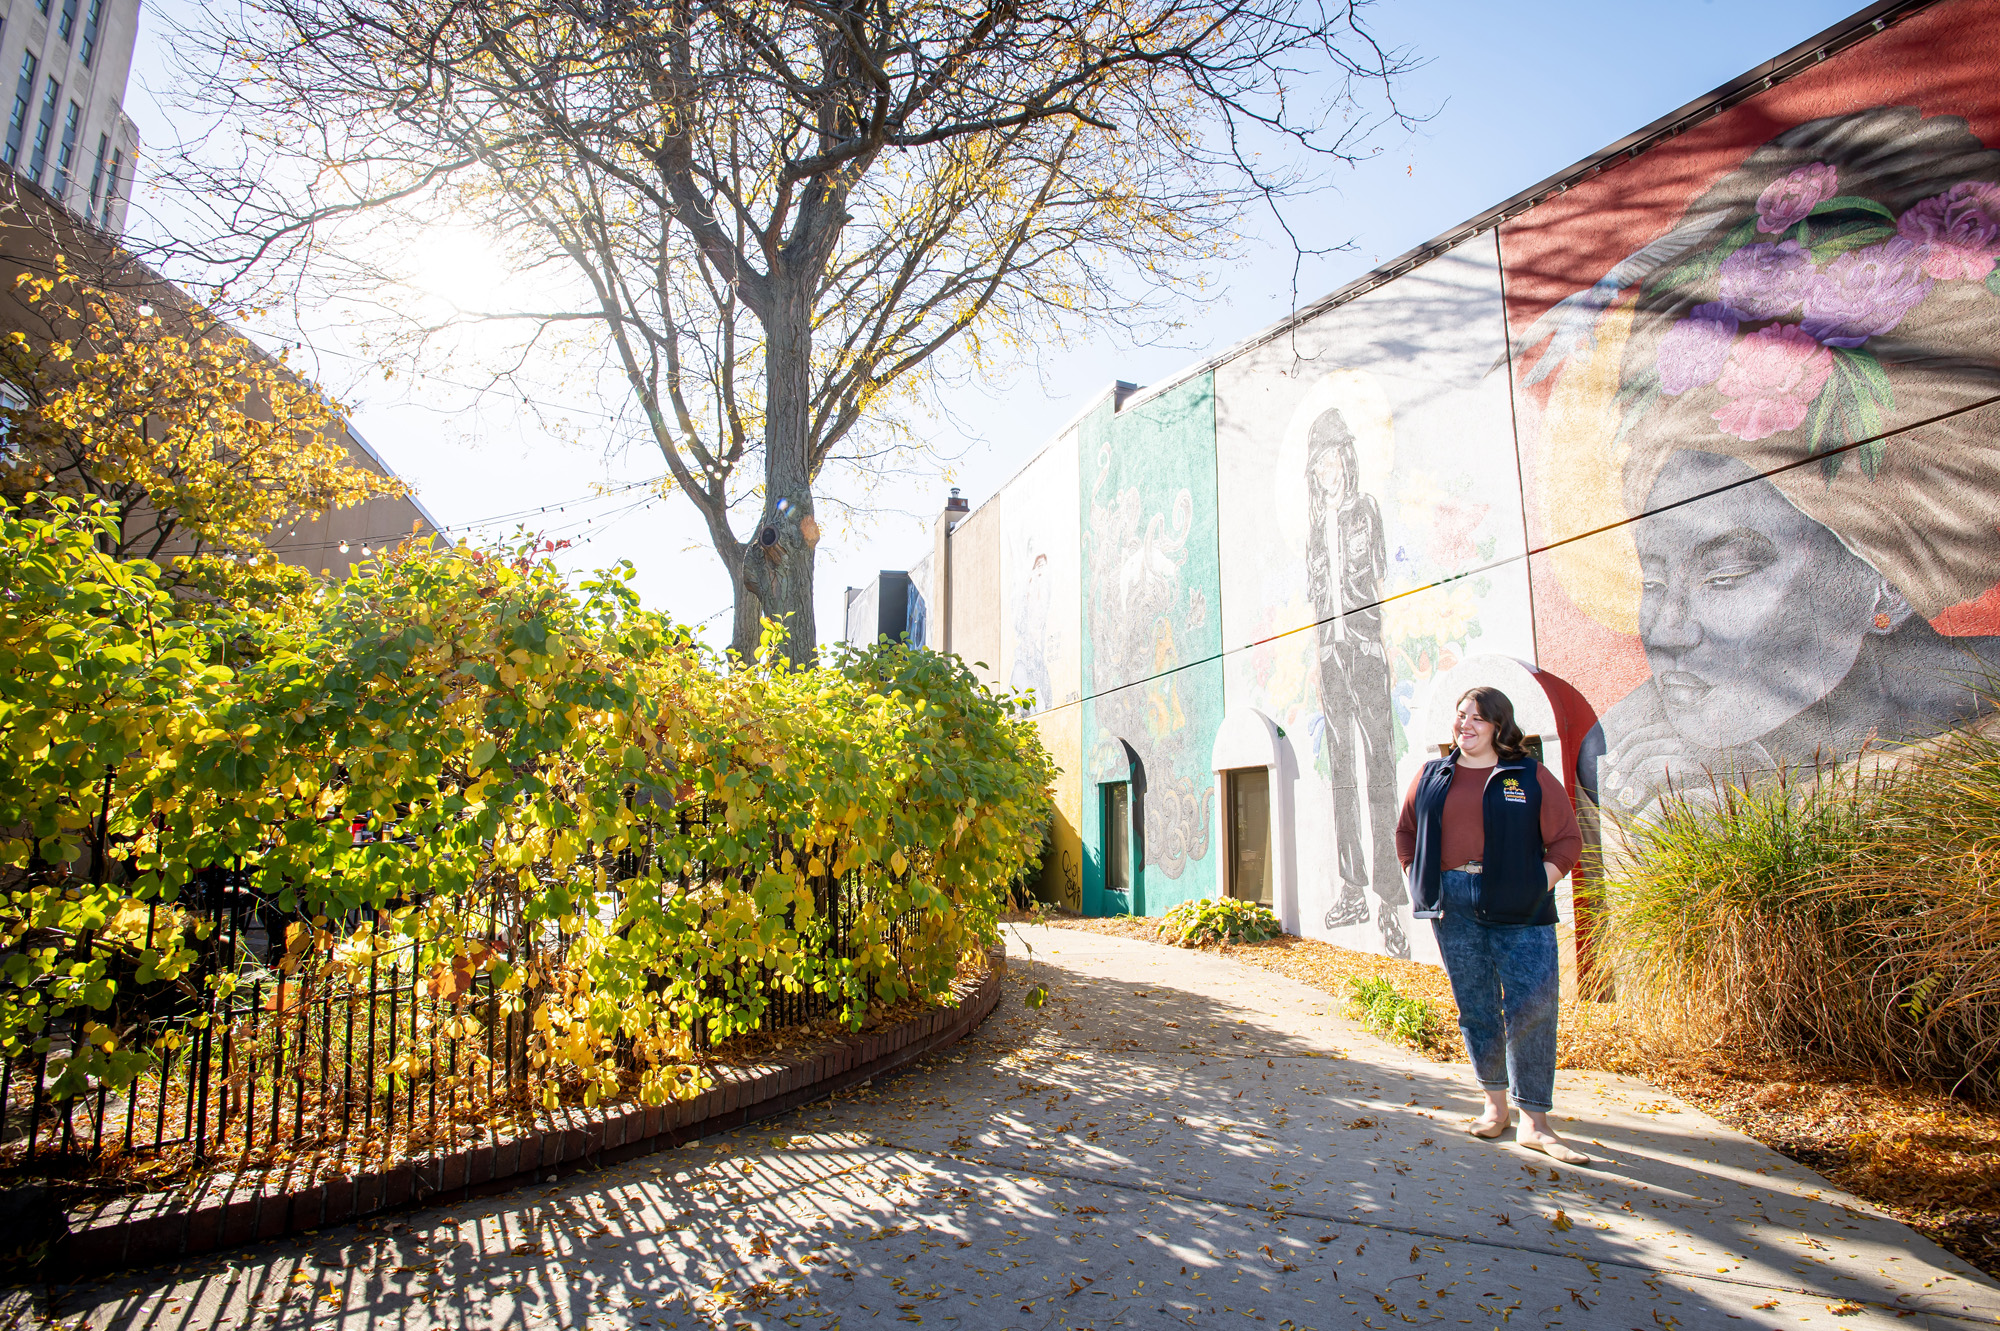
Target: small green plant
[[1218, 920], [1388, 1011]]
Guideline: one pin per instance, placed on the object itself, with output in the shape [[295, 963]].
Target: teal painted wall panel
[[1152, 627]]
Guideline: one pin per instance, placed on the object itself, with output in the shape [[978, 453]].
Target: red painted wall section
[[1757, 377], [1936, 60]]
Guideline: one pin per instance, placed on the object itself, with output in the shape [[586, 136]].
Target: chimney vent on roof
[[956, 504]]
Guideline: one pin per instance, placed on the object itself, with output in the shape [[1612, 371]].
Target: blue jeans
[[1506, 982]]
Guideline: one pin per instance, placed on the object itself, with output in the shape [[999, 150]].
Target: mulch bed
[[1926, 1157]]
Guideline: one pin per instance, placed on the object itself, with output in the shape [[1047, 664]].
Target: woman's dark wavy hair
[[1498, 708]]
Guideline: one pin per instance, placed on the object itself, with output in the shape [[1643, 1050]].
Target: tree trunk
[[778, 560], [748, 609]]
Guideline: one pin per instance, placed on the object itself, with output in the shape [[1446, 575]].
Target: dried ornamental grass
[[1852, 920]]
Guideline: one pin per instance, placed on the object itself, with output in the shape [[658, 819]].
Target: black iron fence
[[379, 1060]]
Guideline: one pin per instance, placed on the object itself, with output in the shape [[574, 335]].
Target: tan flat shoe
[[1554, 1150]]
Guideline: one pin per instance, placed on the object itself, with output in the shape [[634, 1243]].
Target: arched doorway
[[1255, 772]]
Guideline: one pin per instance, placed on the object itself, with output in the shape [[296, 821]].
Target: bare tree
[[780, 212]]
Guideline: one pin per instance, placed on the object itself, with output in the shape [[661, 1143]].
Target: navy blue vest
[[1513, 888]]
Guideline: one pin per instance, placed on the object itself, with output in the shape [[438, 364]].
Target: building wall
[[87, 74], [1369, 490], [976, 611], [372, 526], [1152, 632], [924, 628], [1041, 643], [33, 233], [1696, 450], [861, 612], [1808, 269]]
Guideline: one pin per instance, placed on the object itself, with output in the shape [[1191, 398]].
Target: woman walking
[[1485, 834]]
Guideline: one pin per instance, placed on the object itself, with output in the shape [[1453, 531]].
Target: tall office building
[[72, 153], [63, 66]]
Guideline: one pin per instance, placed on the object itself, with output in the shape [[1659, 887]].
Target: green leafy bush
[[519, 736], [1218, 920], [1387, 1011]]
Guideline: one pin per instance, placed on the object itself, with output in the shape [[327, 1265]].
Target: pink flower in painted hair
[[1959, 230], [1771, 379], [1694, 350], [1788, 199], [1865, 292]]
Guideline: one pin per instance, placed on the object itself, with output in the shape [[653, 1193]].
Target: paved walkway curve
[[1175, 1139]]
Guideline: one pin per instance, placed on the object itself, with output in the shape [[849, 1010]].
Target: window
[[45, 128], [1118, 837], [1250, 834], [17, 123], [66, 155], [97, 174], [42, 5], [67, 23], [90, 17], [11, 399], [111, 188]]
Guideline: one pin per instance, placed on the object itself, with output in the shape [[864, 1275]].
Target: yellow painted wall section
[[1062, 871]]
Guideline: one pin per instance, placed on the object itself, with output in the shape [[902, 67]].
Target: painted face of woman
[[1752, 612]]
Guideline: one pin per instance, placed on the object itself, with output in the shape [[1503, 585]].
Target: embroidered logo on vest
[[1510, 790]]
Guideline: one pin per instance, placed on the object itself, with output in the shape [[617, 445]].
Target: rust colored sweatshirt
[[1465, 821]]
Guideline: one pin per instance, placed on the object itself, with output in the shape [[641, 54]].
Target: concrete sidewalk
[[1175, 1139]]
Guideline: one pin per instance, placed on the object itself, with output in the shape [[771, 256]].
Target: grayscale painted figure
[[1346, 559]]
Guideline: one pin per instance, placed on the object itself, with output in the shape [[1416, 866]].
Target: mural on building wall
[[1755, 376], [1030, 673], [1782, 385], [1040, 573], [1364, 456], [1346, 559], [1150, 600]]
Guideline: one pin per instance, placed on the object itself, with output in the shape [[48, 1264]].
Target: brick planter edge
[[216, 1214]]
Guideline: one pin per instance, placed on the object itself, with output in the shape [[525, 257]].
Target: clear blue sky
[[1516, 91]]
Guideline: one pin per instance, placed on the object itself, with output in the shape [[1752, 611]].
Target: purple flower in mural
[[1959, 230], [1766, 281], [1694, 350], [1866, 292], [1788, 199], [1771, 379]]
